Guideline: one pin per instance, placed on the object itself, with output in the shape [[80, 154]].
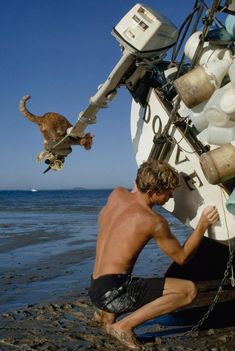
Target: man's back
[[125, 227]]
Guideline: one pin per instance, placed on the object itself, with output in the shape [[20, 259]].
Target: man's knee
[[191, 292]]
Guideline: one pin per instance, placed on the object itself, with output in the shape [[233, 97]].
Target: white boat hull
[[195, 191]]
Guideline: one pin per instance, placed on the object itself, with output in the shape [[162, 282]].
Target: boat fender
[[218, 165]]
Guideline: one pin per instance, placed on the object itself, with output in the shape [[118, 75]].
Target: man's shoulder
[[156, 217], [119, 191], [149, 217]]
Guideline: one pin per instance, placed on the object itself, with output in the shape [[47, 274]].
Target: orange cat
[[53, 126]]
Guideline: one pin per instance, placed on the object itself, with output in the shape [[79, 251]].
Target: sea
[[47, 245]]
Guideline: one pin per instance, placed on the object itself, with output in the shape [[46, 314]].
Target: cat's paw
[[43, 154]]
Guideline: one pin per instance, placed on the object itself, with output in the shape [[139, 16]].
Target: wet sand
[[44, 303], [36, 267], [69, 325], [65, 321]]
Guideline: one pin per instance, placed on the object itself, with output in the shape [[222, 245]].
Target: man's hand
[[210, 215]]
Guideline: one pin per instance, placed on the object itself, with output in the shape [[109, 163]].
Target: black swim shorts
[[120, 293]]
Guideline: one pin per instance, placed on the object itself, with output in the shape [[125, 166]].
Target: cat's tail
[[25, 111]]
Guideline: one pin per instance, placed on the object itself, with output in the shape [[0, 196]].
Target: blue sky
[[59, 51]]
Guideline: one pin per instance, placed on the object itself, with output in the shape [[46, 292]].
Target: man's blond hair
[[157, 176]]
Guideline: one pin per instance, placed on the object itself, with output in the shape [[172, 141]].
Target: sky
[[59, 52]]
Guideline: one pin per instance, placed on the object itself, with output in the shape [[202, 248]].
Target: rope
[[174, 142]]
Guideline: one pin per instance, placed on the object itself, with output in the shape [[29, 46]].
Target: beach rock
[[210, 332], [222, 338]]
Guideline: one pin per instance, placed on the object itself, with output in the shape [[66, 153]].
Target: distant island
[[79, 188]]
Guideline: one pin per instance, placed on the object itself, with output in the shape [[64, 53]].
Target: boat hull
[[195, 191]]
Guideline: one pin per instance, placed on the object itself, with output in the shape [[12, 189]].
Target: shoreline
[[45, 267], [68, 325], [62, 317]]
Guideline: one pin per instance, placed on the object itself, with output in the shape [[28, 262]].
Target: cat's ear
[[87, 141]]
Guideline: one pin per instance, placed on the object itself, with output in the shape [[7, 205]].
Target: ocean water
[[47, 245]]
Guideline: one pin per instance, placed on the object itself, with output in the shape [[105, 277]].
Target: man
[[126, 224]]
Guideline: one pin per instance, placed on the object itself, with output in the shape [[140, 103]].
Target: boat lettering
[[191, 179], [178, 156]]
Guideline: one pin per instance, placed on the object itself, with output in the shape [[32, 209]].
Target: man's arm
[[169, 244]]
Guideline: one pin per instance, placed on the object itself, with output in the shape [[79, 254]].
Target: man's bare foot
[[104, 318], [126, 337]]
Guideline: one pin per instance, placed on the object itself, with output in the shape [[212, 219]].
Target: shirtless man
[[126, 224]]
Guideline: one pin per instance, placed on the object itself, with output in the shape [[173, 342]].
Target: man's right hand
[[210, 215]]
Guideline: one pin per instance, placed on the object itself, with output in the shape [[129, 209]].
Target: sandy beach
[[68, 325], [65, 321]]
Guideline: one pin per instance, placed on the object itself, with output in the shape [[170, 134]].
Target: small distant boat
[[34, 190]]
